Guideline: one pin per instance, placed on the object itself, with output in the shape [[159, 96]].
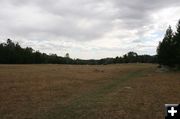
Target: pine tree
[[165, 49], [176, 40]]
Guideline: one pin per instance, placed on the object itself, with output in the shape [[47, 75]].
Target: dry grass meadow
[[123, 91]]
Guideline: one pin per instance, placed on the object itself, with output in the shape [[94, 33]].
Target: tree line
[[13, 53], [168, 51]]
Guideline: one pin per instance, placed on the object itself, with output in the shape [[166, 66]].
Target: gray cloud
[[86, 24]]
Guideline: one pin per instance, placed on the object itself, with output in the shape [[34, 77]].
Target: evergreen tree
[[165, 49], [176, 40]]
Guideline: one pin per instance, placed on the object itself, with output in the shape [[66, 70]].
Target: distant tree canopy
[[67, 55], [13, 53], [168, 51]]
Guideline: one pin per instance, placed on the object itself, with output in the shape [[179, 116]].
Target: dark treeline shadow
[[168, 51], [13, 53]]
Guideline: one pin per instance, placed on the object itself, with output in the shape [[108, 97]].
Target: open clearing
[[123, 91]]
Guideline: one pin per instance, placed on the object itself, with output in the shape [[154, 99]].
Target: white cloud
[[88, 28]]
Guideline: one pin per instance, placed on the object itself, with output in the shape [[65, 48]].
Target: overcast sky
[[88, 28]]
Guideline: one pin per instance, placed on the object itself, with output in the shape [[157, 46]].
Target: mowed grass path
[[126, 91]]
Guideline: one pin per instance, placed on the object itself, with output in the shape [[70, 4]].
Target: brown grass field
[[123, 91]]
